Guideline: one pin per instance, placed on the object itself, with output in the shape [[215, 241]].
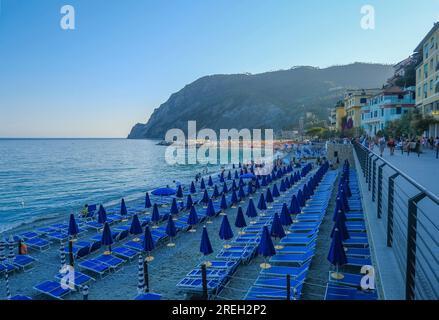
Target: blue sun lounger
[[260, 293], [52, 289], [7, 267], [358, 252], [95, 266], [148, 296], [350, 280], [245, 255], [125, 253], [24, 262], [222, 264], [110, 260], [299, 258], [80, 279], [58, 236], [359, 242], [278, 282], [29, 235], [295, 249], [20, 297], [334, 292], [195, 285], [210, 273], [298, 241], [38, 243], [283, 271], [134, 245]]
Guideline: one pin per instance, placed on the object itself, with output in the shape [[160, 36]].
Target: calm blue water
[[45, 178]]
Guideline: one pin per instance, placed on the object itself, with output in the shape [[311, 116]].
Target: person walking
[[382, 145], [391, 145]]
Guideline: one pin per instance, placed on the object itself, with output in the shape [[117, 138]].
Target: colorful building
[[427, 78], [340, 113], [388, 105], [354, 100]]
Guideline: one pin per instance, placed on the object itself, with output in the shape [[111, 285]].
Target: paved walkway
[[423, 169]]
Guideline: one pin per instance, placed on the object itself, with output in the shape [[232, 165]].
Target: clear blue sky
[[127, 56]]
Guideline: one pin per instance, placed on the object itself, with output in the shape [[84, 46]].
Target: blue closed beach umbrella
[[257, 184], [266, 247], [174, 207], [193, 189], [189, 202], [277, 230], [155, 217], [241, 182], [269, 196], [305, 192], [215, 193], [264, 181], [225, 189], [339, 209], [102, 215], [171, 231], [340, 225], [337, 255], [73, 226], [287, 183], [192, 218], [205, 245], [261, 204], [251, 210], [241, 193], [221, 177], [285, 217], [225, 232], [229, 176], [294, 205], [210, 211], [282, 187], [205, 198], [123, 208], [164, 192], [234, 198], [202, 184], [250, 188], [210, 181], [301, 198], [179, 192], [240, 219], [136, 227], [107, 238], [147, 201], [276, 193], [236, 175], [148, 243], [234, 187], [223, 204]]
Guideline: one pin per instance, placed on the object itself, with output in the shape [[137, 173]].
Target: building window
[[398, 110], [382, 112], [363, 100]]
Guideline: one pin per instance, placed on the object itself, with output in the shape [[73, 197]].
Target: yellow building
[[427, 75], [340, 113], [354, 100]]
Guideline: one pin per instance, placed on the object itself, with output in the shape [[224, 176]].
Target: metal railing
[[410, 213]]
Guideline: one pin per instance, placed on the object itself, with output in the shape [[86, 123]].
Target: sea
[[48, 178]]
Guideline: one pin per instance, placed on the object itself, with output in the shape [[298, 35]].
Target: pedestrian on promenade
[[391, 145], [382, 145], [418, 147]]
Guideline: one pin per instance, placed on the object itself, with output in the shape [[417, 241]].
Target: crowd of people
[[416, 145]]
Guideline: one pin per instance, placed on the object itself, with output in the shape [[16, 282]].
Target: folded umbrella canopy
[[210, 211], [107, 238], [155, 217], [202, 184], [269, 196], [123, 208], [282, 187], [225, 232], [236, 175], [102, 214], [285, 217], [250, 188], [136, 227], [174, 207], [337, 255], [210, 181], [223, 204], [251, 210], [225, 189], [261, 204], [287, 183], [339, 208], [340, 225], [276, 193], [189, 202], [205, 245], [193, 189], [266, 247], [148, 243], [164, 192], [240, 219], [234, 198], [215, 193], [277, 230], [241, 193], [234, 187], [147, 201], [73, 226], [229, 176], [205, 198], [294, 205], [179, 192], [301, 198], [192, 219], [264, 181]]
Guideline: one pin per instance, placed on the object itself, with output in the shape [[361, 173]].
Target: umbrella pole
[[146, 274], [71, 258]]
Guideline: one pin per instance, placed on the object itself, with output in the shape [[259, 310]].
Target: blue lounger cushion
[[80, 279], [260, 293], [334, 292], [110, 260], [52, 289], [94, 266], [125, 252], [283, 271]]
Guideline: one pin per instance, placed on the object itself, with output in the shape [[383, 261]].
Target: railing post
[[411, 245], [390, 209], [369, 170], [380, 190], [204, 281], [288, 287], [374, 179]]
